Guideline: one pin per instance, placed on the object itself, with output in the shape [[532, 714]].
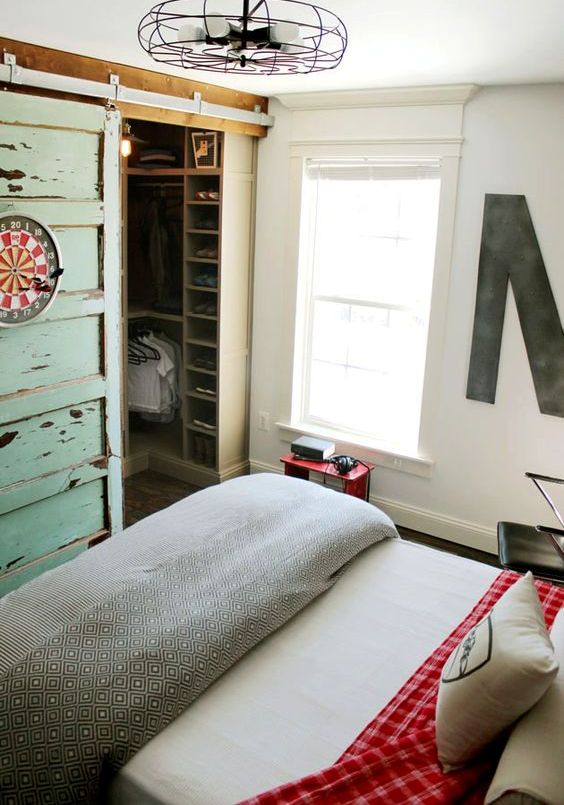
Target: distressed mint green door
[[60, 434]]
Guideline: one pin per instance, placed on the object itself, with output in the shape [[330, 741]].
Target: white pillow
[[498, 672], [533, 760]]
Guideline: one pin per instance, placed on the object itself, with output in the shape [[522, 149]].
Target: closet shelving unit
[[202, 291], [208, 441]]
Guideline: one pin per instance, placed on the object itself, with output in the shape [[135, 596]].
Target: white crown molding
[[406, 96], [460, 532], [382, 141]]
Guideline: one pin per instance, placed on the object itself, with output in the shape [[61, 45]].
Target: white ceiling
[[392, 43]]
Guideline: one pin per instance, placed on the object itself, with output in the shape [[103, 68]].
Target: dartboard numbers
[[30, 269]]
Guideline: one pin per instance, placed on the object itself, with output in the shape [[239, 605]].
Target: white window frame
[[447, 154]]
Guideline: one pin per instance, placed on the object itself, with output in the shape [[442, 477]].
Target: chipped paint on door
[[31, 448], [69, 168], [60, 431], [56, 355]]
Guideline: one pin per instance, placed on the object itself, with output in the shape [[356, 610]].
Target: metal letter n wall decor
[[510, 253]]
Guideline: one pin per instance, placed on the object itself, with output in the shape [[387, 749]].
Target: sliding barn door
[[60, 434]]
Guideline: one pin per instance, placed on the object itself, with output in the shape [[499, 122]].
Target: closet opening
[[185, 256], [153, 204]]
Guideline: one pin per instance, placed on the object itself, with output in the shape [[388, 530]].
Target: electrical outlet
[[263, 420]]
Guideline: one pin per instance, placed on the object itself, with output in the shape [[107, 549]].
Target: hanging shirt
[[168, 380], [144, 389], [170, 384]]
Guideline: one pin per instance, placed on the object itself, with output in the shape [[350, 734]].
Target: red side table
[[355, 482]]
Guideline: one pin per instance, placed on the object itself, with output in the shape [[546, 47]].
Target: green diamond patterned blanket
[[100, 654]]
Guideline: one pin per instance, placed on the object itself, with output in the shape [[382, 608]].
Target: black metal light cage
[[248, 48]]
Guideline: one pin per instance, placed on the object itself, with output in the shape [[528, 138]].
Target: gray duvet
[[99, 655]]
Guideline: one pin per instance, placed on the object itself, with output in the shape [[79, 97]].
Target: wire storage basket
[[204, 144]]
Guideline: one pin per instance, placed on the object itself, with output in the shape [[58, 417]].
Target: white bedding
[[296, 701]]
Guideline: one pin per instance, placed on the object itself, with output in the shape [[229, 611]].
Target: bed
[[299, 698], [286, 703]]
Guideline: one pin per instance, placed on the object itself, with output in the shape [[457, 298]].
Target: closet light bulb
[[285, 32], [190, 33], [218, 27], [125, 147]]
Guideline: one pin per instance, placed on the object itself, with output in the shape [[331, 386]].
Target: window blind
[[370, 170]]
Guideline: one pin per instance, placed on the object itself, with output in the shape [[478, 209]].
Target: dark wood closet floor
[[148, 492]]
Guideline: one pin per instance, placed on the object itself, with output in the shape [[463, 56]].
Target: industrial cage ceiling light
[[274, 37]]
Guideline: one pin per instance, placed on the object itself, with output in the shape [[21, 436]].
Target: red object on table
[[355, 482]]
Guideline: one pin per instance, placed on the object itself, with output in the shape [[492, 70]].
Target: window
[[367, 252]]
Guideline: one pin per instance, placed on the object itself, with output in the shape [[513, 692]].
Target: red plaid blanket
[[394, 760]]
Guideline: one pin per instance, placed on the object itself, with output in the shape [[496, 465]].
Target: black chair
[[539, 549]]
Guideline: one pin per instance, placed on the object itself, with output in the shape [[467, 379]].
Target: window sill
[[349, 444]]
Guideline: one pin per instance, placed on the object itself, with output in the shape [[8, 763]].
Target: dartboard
[[30, 269]]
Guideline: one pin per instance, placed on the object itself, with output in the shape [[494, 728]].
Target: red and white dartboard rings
[[30, 268]]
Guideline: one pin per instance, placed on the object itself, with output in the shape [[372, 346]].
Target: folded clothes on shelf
[[156, 158]]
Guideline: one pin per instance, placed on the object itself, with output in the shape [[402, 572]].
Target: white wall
[[512, 144]]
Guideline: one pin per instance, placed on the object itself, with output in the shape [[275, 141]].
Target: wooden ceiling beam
[[49, 60]]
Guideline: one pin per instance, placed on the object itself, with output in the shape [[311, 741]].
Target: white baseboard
[[138, 462], [439, 525], [180, 469], [198, 475], [427, 522], [259, 466]]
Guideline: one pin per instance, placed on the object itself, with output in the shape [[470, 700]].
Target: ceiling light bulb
[[297, 46], [285, 32], [218, 27], [189, 32]]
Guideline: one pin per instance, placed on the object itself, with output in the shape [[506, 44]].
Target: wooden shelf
[[203, 171], [201, 316], [202, 342], [193, 368], [207, 260], [140, 312], [192, 231], [205, 288], [203, 203], [197, 395], [155, 171]]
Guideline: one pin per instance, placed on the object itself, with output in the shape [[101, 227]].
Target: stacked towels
[[156, 158]]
